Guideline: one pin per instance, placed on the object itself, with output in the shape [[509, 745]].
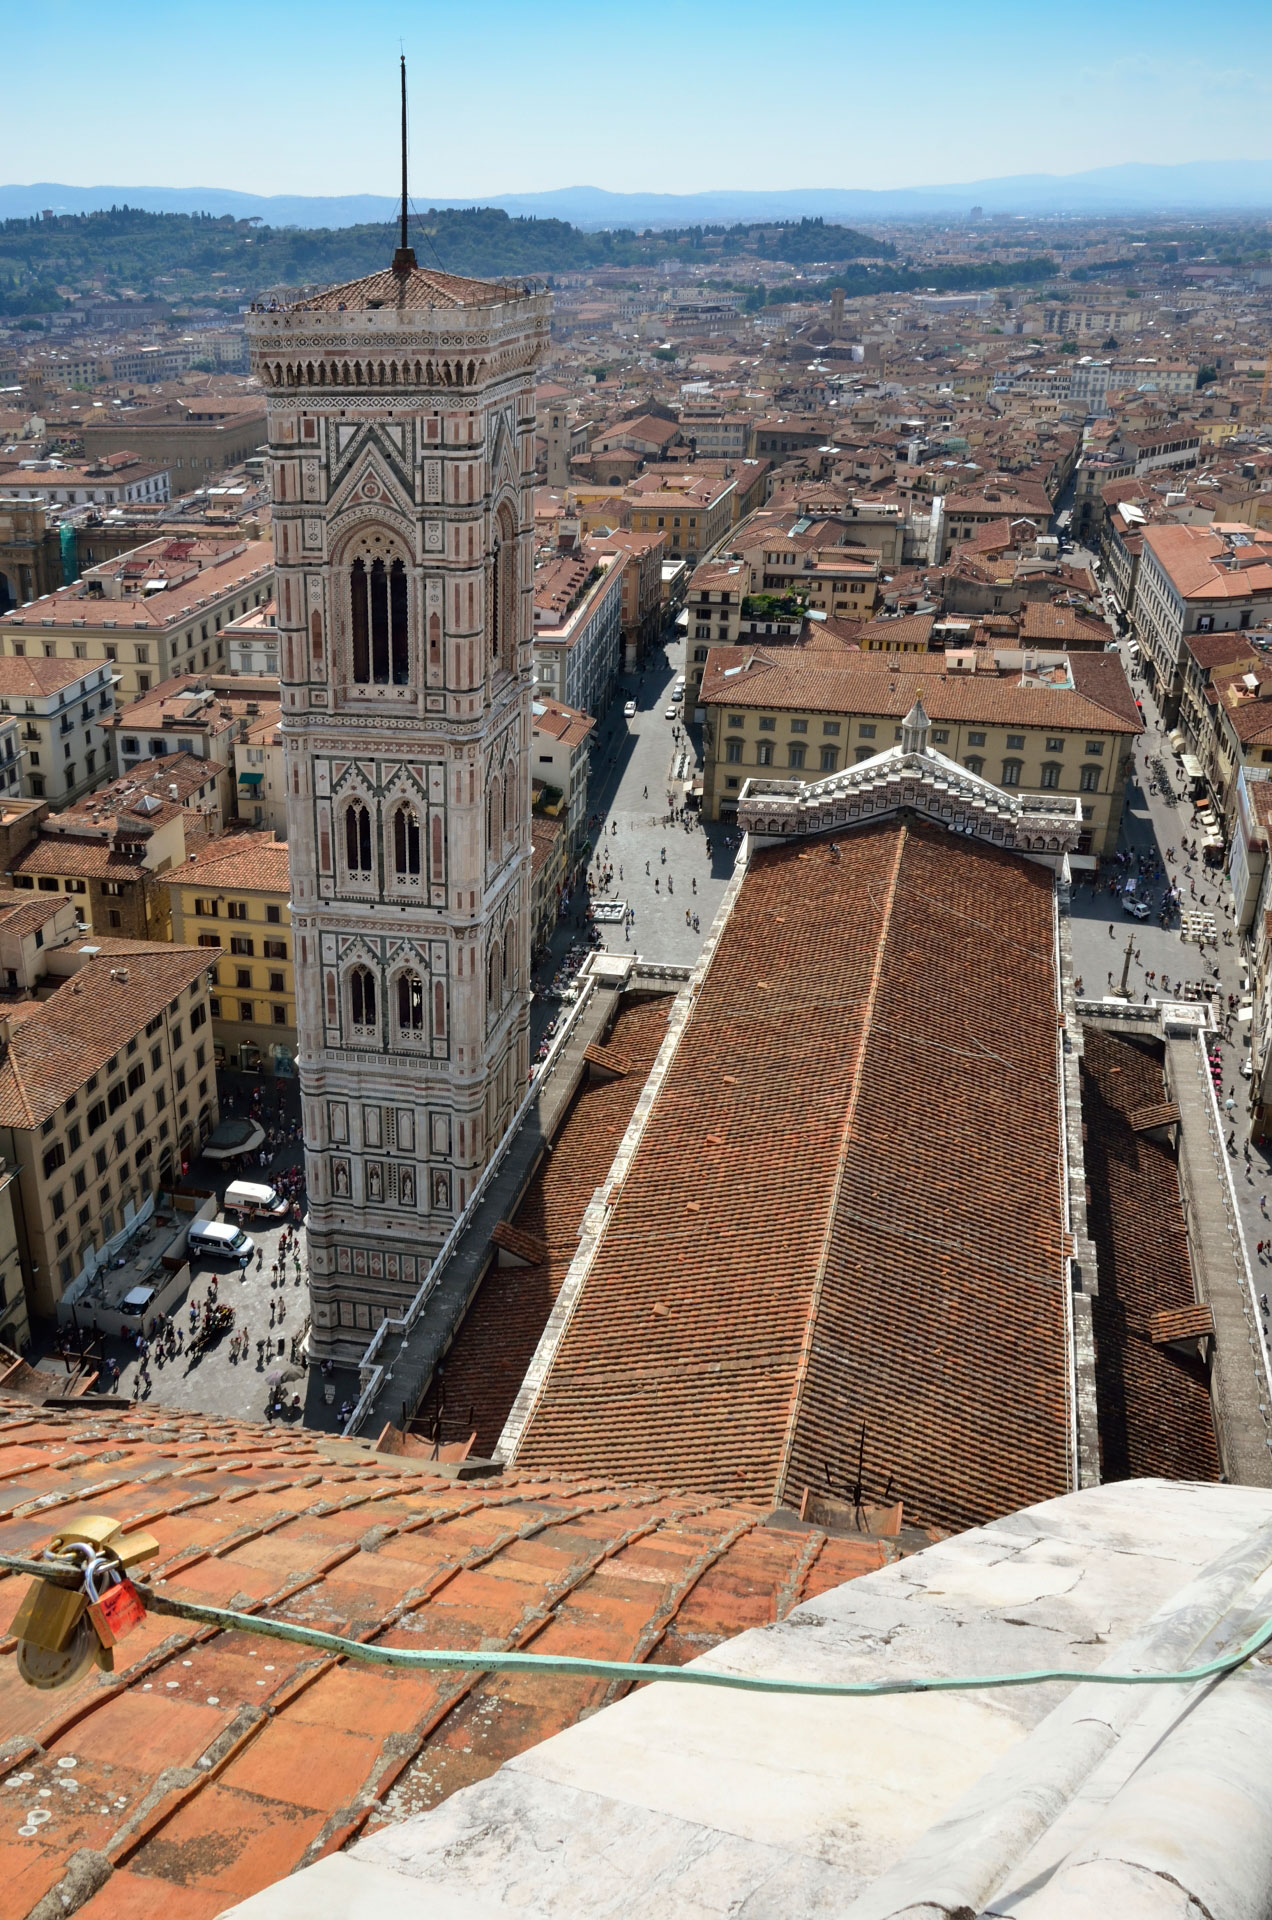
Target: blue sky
[[276, 96]]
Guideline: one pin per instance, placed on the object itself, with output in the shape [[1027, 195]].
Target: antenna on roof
[[404, 257]]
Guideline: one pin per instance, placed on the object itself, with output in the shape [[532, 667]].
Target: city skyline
[[969, 104]]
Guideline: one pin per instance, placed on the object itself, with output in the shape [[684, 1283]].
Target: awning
[[250, 779], [1083, 862], [1192, 766]]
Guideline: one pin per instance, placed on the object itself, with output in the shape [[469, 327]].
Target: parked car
[[1139, 909], [671, 713], [629, 710], [219, 1240], [250, 1197]]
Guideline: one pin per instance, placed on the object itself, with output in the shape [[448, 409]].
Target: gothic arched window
[[379, 624], [494, 817], [359, 622], [406, 843], [494, 600], [503, 587], [362, 997], [410, 1003], [358, 838], [399, 647]]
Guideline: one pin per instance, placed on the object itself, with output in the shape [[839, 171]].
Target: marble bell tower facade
[[401, 447]]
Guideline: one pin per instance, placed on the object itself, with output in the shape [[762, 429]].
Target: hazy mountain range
[[1198, 186]]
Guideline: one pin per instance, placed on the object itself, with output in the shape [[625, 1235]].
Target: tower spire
[[404, 257]]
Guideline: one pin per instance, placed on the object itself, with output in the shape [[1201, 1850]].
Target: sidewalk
[[1153, 822]]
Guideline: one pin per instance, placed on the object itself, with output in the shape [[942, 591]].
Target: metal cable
[[469, 1660]]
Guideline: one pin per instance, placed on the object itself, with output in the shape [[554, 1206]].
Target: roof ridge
[[832, 1211]]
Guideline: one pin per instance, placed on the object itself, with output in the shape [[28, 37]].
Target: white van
[[219, 1240], [247, 1199]]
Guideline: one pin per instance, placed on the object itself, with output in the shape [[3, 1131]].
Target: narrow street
[[666, 871], [1152, 825]]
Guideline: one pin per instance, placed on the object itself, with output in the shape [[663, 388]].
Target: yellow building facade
[[234, 896]]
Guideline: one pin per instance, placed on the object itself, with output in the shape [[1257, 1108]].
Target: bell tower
[[401, 446]]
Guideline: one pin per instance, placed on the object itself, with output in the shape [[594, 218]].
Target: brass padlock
[[57, 1641], [91, 1530], [132, 1548], [49, 1615]]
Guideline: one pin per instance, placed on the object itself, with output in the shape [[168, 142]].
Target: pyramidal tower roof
[[417, 288]]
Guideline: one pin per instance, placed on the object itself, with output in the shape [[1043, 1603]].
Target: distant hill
[[1194, 186], [207, 259]]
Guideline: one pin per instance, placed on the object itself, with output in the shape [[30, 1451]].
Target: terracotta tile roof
[[64, 853], [211, 1764], [1154, 1404], [566, 724], [1192, 558], [1056, 624], [544, 835], [237, 863], [1099, 700], [523, 1246], [1181, 1323], [33, 679], [910, 630], [714, 574], [200, 702], [77, 1029], [1212, 650], [159, 609], [496, 1343], [419, 288], [22, 912], [155, 775], [840, 1260]]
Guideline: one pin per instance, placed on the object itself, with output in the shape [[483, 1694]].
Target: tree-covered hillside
[[180, 257]]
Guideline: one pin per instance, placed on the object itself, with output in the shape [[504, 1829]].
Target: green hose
[[64, 1574]]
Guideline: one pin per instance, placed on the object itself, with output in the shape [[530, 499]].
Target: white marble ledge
[[675, 1804]]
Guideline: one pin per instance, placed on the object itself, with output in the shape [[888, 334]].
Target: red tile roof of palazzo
[[1154, 1404], [210, 1764], [496, 1343], [866, 1092]]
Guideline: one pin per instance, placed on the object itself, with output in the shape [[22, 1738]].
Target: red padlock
[[117, 1612]]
